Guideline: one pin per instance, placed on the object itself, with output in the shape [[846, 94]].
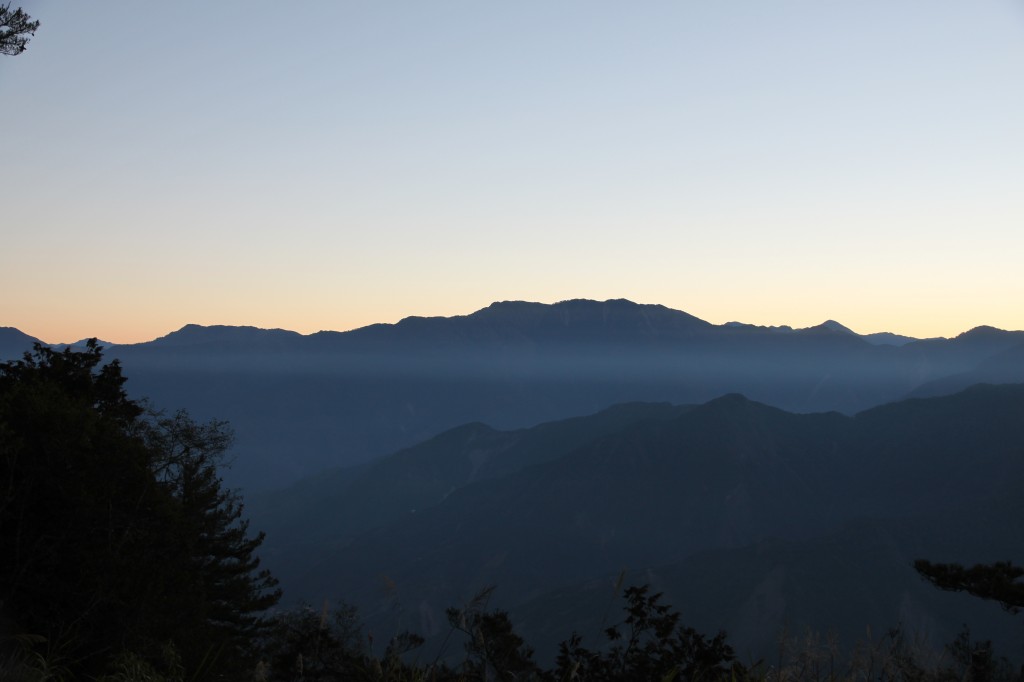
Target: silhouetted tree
[[999, 582], [329, 644], [226, 589], [650, 645], [15, 29], [493, 649], [308, 644], [115, 531], [975, 660]]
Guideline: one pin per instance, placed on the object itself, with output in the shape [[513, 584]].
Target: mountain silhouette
[[301, 404], [739, 493], [13, 343]]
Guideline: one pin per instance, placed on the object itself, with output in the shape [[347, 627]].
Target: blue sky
[[327, 165]]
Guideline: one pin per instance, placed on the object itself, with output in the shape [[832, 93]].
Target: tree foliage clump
[[116, 534], [650, 644], [493, 649], [312, 645], [15, 29], [1001, 582]]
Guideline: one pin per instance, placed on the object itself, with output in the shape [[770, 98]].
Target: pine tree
[[116, 533], [1002, 581], [15, 29], [227, 589]]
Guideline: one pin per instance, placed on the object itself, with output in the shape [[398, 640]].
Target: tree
[[493, 650], [15, 29], [309, 644], [116, 533], [650, 644], [227, 591], [76, 496], [999, 582]]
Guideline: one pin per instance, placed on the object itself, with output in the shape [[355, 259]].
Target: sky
[[328, 165]]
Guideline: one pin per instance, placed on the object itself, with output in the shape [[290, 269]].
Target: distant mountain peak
[[729, 399], [15, 333], [730, 402], [82, 343], [584, 311], [14, 343], [876, 339], [614, 302], [834, 326], [196, 334], [888, 339], [981, 331], [506, 306], [569, 303]]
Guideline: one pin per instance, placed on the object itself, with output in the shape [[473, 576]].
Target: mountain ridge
[[509, 309], [333, 399], [732, 477]]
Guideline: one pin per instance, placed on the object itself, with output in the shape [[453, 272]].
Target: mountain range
[[749, 518], [301, 404], [764, 478]]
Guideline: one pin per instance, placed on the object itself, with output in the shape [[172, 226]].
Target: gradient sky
[[327, 165]]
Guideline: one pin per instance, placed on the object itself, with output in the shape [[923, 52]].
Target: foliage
[[216, 553], [118, 537], [975, 660], [999, 582], [131, 667], [493, 649], [30, 658], [651, 645], [15, 29], [313, 645], [893, 657], [325, 645], [648, 645]]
